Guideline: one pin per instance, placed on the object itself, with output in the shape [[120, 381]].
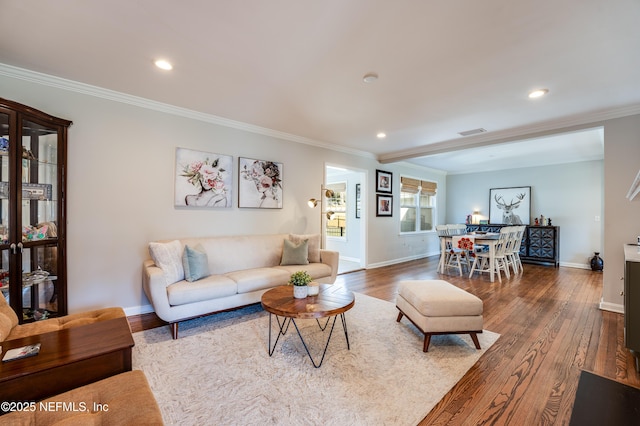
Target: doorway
[[345, 228]]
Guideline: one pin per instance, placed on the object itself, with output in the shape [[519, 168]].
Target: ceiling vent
[[472, 132]]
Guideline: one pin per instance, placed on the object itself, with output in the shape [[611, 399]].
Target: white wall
[[570, 194], [121, 181]]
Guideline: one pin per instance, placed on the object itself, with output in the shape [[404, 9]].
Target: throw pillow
[[314, 245], [168, 256], [295, 254], [195, 263]]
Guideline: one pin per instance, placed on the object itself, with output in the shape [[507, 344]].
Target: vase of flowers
[[299, 281]]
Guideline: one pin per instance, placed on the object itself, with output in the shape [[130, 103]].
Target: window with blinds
[[417, 205]]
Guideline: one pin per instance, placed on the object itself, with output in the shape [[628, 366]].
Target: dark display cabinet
[[33, 154]]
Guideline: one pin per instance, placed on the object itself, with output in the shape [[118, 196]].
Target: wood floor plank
[[551, 328]]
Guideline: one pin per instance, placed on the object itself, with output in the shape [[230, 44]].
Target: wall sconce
[[314, 202]]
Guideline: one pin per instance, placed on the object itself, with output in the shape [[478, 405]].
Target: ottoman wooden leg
[[474, 337], [427, 340], [399, 316]]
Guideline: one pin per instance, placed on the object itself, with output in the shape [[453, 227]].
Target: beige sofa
[[237, 271]]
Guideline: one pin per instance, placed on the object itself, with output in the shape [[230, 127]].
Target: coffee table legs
[[286, 322]]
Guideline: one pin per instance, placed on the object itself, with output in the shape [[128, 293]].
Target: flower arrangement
[[205, 175], [299, 278], [266, 177]]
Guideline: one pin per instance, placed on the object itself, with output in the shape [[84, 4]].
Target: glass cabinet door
[[31, 214], [4, 204], [39, 216]]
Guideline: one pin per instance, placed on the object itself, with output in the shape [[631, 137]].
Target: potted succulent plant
[[299, 281]]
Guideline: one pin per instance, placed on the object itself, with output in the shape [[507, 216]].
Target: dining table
[[489, 239]]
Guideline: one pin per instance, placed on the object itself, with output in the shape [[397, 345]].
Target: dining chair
[[443, 231], [461, 252], [513, 251], [457, 229], [482, 261]]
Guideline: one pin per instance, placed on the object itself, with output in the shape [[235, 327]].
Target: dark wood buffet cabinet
[[540, 244]]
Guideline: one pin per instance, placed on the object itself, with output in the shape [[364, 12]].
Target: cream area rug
[[219, 371]]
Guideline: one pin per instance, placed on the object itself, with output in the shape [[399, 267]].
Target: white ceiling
[[296, 66]]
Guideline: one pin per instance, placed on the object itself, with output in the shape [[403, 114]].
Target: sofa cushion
[[295, 254], [259, 278], [168, 256], [314, 245], [212, 287], [67, 321], [234, 253], [195, 263], [316, 270]]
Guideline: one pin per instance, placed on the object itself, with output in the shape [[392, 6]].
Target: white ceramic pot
[[300, 291], [313, 289]]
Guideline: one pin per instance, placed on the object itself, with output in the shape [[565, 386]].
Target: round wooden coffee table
[[331, 302]]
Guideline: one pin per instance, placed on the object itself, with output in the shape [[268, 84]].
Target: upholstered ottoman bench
[[438, 307]]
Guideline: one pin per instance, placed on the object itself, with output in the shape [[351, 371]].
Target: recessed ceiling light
[[538, 92], [370, 77], [162, 64], [381, 135]]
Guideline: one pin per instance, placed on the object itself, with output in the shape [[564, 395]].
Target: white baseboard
[[138, 310], [575, 265], [394, 261], [611, 307]]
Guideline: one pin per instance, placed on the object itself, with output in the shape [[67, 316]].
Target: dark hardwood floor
[[551, 329]]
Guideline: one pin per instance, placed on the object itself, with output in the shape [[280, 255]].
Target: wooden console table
[[68, 358]]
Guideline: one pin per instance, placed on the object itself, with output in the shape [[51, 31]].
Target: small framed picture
[[384, 205], [383, 181]]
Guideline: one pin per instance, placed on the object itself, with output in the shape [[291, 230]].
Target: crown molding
[[546, 128], [112, 95]]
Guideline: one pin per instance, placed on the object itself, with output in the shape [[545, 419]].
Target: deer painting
[[508, 217]]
